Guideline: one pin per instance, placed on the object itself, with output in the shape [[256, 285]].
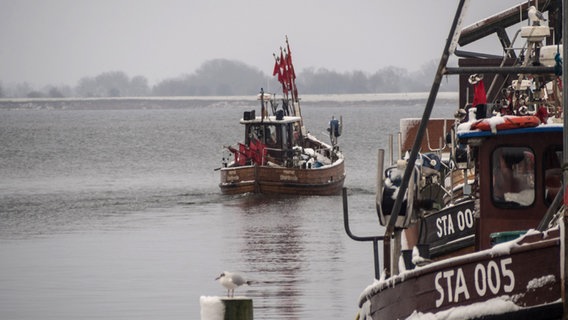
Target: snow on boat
[[473, 224]]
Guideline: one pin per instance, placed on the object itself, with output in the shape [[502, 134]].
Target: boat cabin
[[275, 136], [518, 174]]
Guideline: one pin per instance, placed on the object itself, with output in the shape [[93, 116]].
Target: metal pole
[[564, 251], [379, 181], [565, 81], [448, 49], [499, 70], [374, 239]]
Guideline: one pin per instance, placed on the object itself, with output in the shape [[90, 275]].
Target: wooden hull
[[510, 281], [276, 180]]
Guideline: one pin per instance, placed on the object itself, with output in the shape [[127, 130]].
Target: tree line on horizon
[[222, 77]]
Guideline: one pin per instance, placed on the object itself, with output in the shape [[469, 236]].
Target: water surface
[[116, 214]]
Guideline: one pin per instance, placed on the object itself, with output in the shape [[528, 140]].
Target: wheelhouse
[[518, 175], [278, 135]]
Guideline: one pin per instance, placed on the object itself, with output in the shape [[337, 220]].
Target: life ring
[[505, 123]]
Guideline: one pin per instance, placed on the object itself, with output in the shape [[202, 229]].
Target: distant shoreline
[[183, 102]]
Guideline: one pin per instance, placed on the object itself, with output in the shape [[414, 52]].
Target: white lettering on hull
[[232, 176], [491, 277], [288, 175], [445, 224]]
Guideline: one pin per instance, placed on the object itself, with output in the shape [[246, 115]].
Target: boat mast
[[293, 88], [449, 48]]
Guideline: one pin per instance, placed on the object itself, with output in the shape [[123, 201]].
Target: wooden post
[[223, 308], [238, 308]]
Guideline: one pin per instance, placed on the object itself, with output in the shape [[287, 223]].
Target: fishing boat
[[278, 155], [473, 207]]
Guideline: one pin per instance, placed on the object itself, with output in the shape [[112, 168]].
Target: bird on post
[[535, 16], [231, 281]]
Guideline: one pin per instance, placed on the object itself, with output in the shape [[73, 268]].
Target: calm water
[[116, 214]]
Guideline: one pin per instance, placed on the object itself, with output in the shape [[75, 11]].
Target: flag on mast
[[289, 60], [276, 70], [291, 72], [284, 73]]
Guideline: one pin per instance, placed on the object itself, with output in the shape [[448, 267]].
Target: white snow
[[212, 308], [497, 305], [417, 259], [466, 126], [503, 248], [494, 121], [540, 282]]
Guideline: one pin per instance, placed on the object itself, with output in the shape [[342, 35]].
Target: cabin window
[[552, 172], [271, 136], [513, 177], [284, 135], [296, 133], [256, 133]]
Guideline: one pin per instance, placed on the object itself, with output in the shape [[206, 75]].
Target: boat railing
[[374, 239]]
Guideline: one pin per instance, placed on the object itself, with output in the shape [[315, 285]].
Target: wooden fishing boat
[[474, 227], [278, 155]]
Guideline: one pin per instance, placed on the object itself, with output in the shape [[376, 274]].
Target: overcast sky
[[60, 41]]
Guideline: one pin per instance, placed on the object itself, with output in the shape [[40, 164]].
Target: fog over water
[[60, 41]]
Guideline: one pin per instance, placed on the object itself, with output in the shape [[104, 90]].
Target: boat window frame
[[255, 131], [524, 182], [296, 133], [284, 136], [551, 167], [272, 135]]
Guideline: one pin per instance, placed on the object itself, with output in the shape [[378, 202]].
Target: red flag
[[283, 66], [284, 74], [276, 70], [291, 72], [291, 67], [276, 67], [289, 60]]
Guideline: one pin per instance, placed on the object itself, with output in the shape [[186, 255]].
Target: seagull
[[535, 16], [231, 281]]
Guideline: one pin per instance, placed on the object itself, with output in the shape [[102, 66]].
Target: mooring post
[[223, 308], [238, 308]]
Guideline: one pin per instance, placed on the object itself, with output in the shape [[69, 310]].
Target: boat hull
[[492, 284], [326, 180]]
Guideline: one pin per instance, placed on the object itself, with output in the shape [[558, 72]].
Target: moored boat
[[278, 155], [474, 226]]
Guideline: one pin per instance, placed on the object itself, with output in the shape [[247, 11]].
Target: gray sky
[[60, 41]]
